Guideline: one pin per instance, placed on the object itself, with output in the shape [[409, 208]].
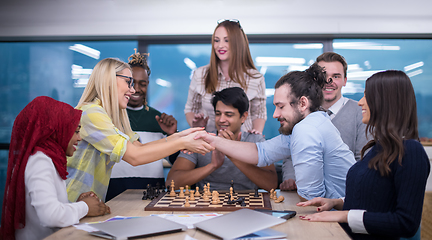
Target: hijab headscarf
[[45, 125]]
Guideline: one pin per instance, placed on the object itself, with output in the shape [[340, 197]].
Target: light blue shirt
[[320, 158]]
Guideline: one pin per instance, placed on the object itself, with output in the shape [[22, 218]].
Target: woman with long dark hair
[[385, 190]]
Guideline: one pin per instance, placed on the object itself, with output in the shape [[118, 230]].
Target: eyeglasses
[[229, 20], [130, 82]]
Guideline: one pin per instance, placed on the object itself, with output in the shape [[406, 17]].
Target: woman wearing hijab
[[35, 200]]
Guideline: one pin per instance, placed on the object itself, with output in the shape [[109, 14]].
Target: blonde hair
[[102, 85]]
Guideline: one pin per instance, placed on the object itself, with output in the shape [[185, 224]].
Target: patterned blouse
[[199, 101], [102, 145]]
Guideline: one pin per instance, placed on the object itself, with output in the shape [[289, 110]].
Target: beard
[[288, 128]]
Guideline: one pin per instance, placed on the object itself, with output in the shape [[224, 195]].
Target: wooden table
[[129, 203]]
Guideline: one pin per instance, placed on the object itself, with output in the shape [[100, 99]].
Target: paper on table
[[188, 219]]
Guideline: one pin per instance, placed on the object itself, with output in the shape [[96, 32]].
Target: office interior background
[[49, 47]]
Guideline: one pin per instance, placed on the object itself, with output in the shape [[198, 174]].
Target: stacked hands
[[95, 205], [324, 214], [168, 124]]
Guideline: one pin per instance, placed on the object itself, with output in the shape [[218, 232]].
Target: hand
[[323, 204], [327, 216], [199, 120], [288, 185], [96, 207], [87, 194], [227, 134], [167, 123], [255, 131], [188, 131], [217, 159], [197, 145]]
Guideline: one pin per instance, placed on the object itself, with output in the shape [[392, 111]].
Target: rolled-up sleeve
[[98, 130]]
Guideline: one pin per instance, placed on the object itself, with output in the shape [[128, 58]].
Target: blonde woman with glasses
[[231, 65], [107, 137]]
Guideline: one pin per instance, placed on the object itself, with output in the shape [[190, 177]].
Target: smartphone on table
[[286, 214]]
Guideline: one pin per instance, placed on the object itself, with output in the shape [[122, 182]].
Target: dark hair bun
[[318, 75]]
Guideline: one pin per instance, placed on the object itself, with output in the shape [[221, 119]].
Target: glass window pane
[[56, 69], [414, 56], [172, 65]]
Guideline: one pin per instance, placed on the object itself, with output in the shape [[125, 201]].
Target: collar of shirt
[[221, 75], [338, 105], [135, 109]]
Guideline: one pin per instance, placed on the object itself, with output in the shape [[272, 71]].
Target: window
[[413, 56]]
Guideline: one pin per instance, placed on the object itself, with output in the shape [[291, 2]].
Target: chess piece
[[271, 193], [216, 193], [144, 195], [187, 189], [187, 204], [205, 197], [181, 194], [232, 185], [215, 198], [204, 190], [256, 192], [197, 193], [280, 199], [274, 195], [172, 193], [232, 194], [192, 197]]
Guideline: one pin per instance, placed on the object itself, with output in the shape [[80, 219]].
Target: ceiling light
[[415, 73], [364, 46], [88, 51], [278, 61], [413, 66], [163, 83], [308, 46]]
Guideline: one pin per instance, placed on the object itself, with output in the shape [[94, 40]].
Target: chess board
[[164, 202]]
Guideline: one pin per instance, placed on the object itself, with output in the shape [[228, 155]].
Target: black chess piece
[[232, 185], [229, 200], [256, 192], [144, 195], [157, 189]]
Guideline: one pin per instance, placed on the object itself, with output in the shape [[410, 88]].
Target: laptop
[[238, 224], [136, 227]]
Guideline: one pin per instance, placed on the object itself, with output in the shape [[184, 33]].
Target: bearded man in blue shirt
[[320, 158]]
